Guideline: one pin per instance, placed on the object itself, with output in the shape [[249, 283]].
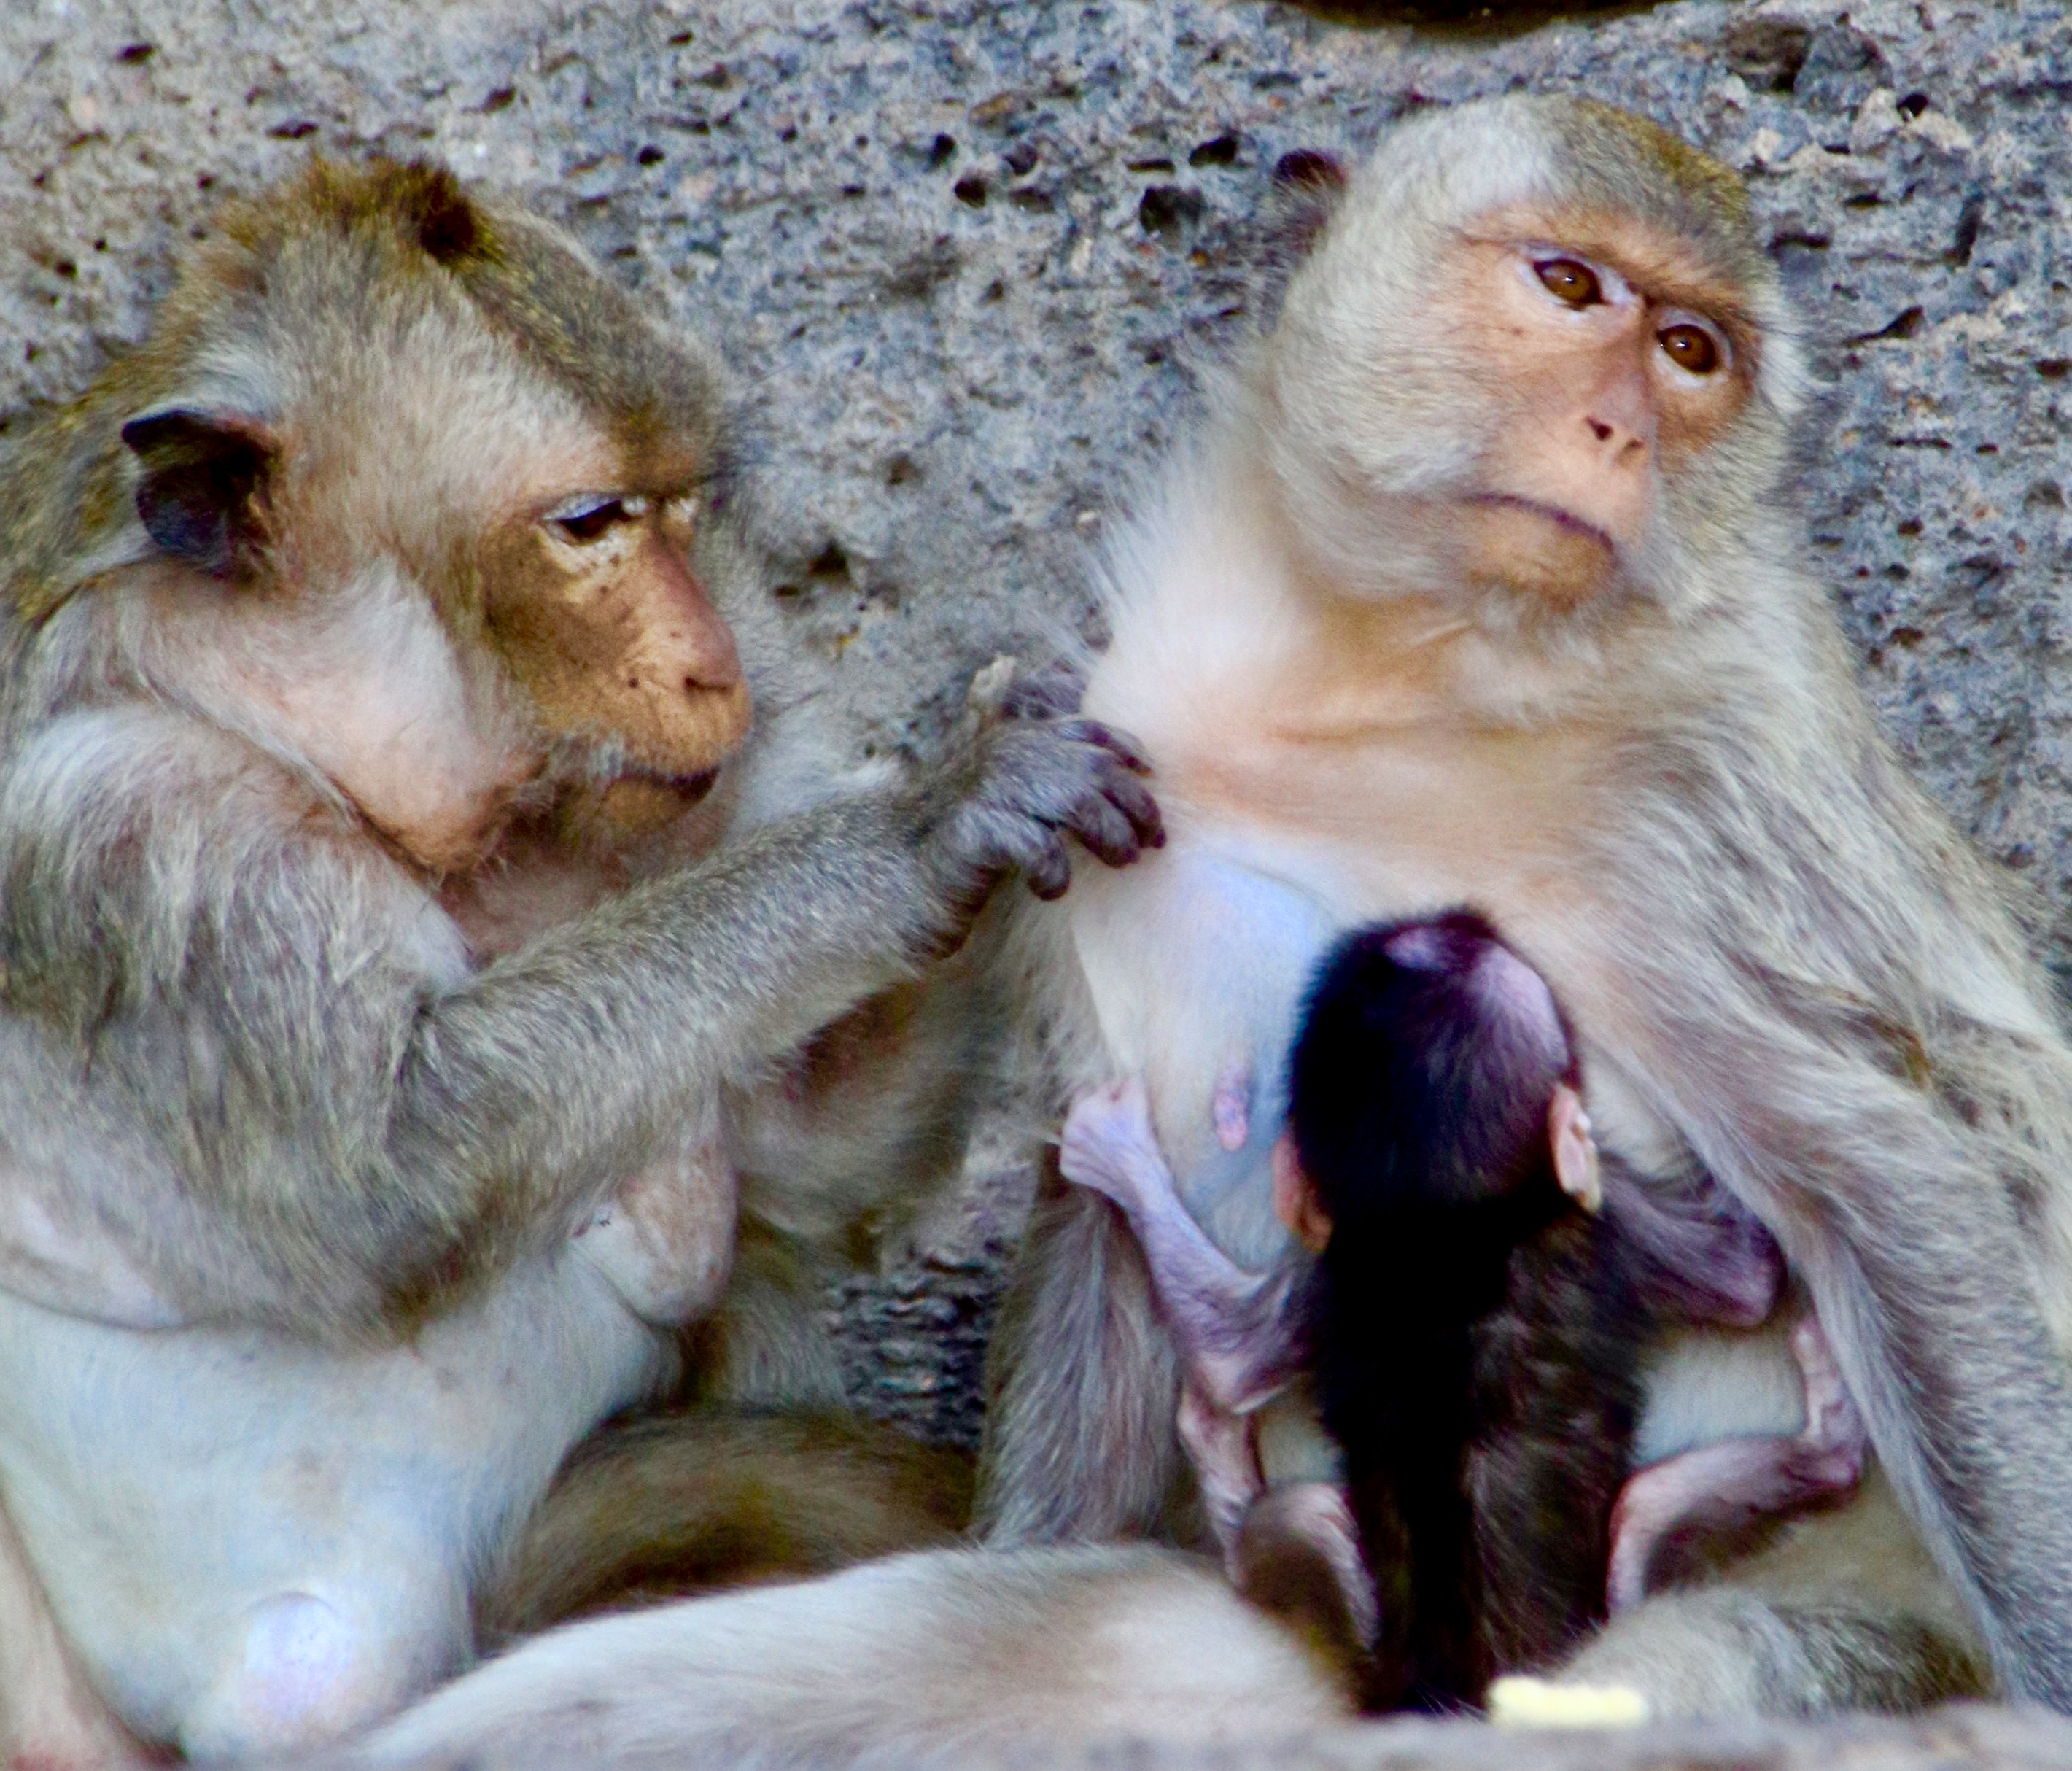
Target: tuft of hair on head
[[1414, 1083]]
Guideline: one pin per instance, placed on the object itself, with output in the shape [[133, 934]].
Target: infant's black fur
[[1476, 1331]]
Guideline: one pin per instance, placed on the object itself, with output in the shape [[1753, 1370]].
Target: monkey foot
[[1674, 1505], [1298, 1557]]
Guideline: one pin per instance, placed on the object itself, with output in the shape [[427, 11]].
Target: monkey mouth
[[690, 788], [1552, 513]]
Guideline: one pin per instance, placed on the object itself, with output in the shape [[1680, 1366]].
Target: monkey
[[1479, 582], [401, 933], [1467, 1291]]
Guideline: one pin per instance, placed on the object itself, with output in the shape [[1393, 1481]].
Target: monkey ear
[[1308, 186], [203, 470], [1295, 1200], [1575, 1150]]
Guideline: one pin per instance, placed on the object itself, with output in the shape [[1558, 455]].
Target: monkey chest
[[1196, 961]]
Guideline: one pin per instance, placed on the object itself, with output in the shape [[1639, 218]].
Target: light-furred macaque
[[1480, 586], [1471, 1292], [394, 932]]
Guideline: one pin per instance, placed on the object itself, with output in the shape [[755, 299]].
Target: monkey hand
[[1010, 793], [1108, 1145]]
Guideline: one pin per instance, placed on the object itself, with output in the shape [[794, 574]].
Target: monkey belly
[[253, 1543]]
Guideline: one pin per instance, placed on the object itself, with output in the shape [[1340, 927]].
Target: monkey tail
[[930, 1658], [663, 1506]]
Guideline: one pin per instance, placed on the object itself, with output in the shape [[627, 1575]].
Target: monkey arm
[[1692, 1252], [343, 1122], [1239, 1333]]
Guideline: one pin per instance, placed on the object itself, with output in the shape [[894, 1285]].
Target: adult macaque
[[1471, 1293], [1482, 587], [373, 975]]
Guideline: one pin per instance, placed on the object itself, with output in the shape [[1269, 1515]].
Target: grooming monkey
[[1472, 1303], [1480, 585], [398, 935]]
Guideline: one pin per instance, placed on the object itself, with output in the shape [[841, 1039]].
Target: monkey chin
[[1537, 552], [637, 805]]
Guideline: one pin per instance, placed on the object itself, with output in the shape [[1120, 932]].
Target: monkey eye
[[588, 516], [1571, 281], [1691, 348]]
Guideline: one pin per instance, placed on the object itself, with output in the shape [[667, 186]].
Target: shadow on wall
[[1466, 17]]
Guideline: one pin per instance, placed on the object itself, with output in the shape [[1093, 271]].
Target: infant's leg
[[1686, 1498]]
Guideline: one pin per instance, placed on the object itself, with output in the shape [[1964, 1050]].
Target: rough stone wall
[[971, 259]]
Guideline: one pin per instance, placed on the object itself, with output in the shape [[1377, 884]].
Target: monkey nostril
[[1599, 430]]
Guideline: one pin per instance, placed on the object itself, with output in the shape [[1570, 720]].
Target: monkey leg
[[1236, 1330], [304, 1671], [1297, 1558], [945, 1654], [1225, 1455], [1671, 1506], [1724, 1651], [1082, 1385], [51, 1717], [665, 1240]]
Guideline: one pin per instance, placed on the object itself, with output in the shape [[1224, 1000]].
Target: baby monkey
[[1474, 1292]]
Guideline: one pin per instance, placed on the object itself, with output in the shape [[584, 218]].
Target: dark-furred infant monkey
[[1481, 1289]]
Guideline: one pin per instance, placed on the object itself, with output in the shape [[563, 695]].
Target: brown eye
[[1574, 283], [587, 523], [582, 520], [1690, 347]]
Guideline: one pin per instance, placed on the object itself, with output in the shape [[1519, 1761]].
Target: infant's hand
[[1108, 1145]]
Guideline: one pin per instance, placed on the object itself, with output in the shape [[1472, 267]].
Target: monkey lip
[[1552, 513], [690, 788]]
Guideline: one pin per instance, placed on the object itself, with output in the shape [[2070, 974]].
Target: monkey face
[[1535, 363], [1612, 368], [594, 604]]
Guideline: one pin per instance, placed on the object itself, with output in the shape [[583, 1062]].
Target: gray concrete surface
[[972, 259]]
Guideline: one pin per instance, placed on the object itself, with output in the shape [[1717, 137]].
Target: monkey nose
[[713, 661]]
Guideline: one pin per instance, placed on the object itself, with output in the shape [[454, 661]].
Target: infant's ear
[[1575, 1150], [1295, 1199]]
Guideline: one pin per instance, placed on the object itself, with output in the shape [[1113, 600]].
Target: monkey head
[[1536, 354], [439, 495], [1434, 1073]]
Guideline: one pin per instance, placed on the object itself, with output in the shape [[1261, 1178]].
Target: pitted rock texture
[[972, 262]]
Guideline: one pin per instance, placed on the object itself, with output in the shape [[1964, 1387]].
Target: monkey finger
[[1104, 830], [1125, 749], [1134, 801], [1049, 872]]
